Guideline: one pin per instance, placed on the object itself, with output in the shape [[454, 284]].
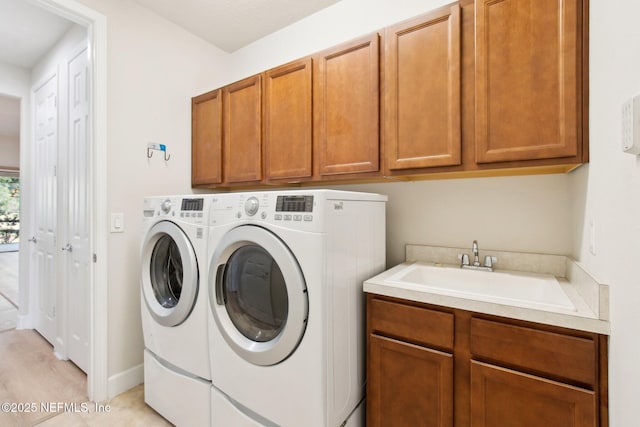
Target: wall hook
[[159, 147]]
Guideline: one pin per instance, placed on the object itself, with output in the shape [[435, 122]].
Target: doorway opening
[[9, 213], [95, 246]]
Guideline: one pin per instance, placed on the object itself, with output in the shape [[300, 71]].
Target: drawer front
[[544, 353], [410, 323]]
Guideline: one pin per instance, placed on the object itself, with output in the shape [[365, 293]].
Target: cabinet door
[[243, 131], [528, 79], [502, 397], [347, 108], [206, 138], [408, 385], [422, 91], [288, 121]]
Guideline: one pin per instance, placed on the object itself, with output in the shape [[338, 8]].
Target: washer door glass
[[255, 293], [166, 272], [258, 295], [169, 273]]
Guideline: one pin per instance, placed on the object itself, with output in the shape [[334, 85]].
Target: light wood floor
[[47, 392], [37, 389], [8, 290]]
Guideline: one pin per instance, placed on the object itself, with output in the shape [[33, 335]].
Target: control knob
[[166, 206], [251, 206]]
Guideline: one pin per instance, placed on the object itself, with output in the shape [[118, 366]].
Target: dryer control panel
[[294, 204]]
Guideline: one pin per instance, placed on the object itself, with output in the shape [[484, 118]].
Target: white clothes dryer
[[286, 306], [174, 307]]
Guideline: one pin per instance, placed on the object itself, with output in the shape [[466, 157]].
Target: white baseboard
[[123, 381], [24, 322]]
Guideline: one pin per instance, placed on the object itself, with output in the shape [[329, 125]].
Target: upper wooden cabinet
[[288, 121], [474, 88], [528, 71], [206, 138], [347, 108], [242, 136], [422, 91]]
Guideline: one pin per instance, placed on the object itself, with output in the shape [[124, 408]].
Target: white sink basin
[[519, 289]]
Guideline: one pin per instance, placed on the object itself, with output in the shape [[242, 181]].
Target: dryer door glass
[[166, 272], [255, 293]]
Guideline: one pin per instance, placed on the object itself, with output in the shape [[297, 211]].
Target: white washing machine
[[286, 307], [174, 307]]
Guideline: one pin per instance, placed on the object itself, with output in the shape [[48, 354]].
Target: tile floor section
[[37, 389]]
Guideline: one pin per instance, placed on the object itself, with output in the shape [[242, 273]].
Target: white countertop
[[582, 290]]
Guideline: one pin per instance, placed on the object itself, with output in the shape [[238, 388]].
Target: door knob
[[68, 248], [33, 240]]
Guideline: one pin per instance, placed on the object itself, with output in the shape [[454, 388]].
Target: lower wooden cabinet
[[503, 397], [409, 385], [437, 366]]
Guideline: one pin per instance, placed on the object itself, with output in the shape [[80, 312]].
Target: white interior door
[[45, 217], [78, 253]]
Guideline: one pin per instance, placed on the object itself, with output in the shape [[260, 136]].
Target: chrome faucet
[[476, 265], [474, 249]]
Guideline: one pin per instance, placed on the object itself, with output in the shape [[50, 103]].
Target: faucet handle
[[464, 259], [489, 260]]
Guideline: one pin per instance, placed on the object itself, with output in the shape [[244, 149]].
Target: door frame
[[96, 24]]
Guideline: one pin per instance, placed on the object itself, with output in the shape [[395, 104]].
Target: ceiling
[[232, 24], [27, 32]]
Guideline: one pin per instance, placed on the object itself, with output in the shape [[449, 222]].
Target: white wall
[[336, 24], [522, 214], [608, 193], [10, 151], [15, 81], [153, 70]]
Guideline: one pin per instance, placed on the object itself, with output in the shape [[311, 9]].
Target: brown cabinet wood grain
[[422, 91], [242, 103], [398, 320], [498, 371], [502, 397], [474, 88], [288, 121], [347, 108], [528, 87], [554, 355], [206, 138], [408, 385]]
